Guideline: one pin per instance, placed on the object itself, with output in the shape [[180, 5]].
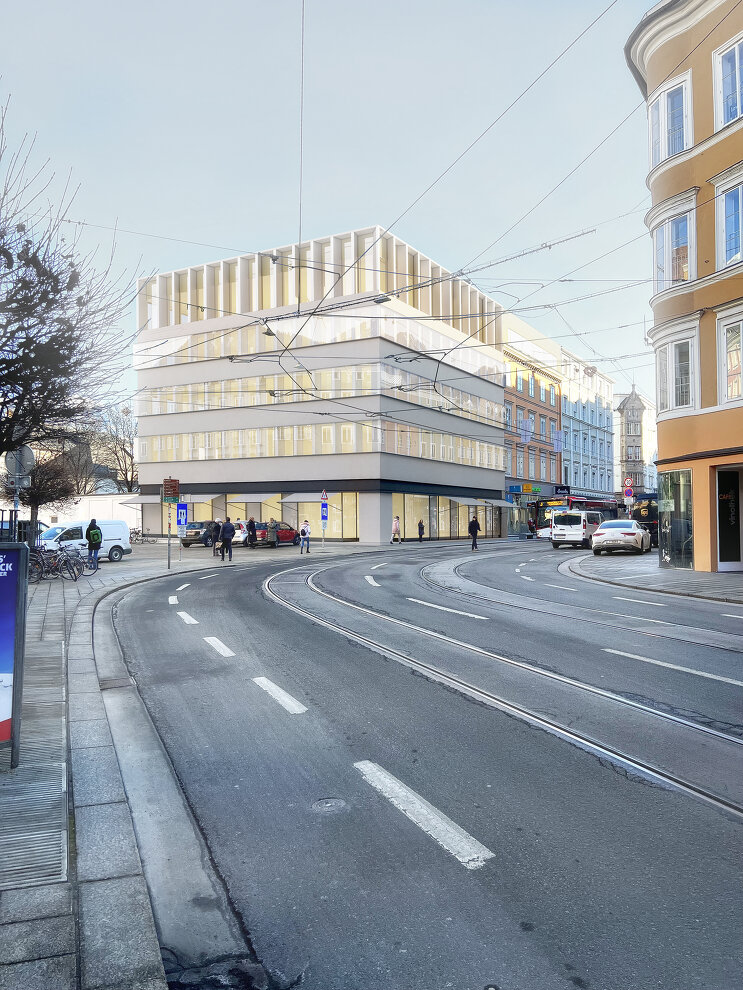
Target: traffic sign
[[171, 490], [181, 514], [324, 496], [324, 512], [21, 461], [628, 492], [628, 482]]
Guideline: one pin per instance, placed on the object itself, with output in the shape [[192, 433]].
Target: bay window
[[730, 209], [675, 375], [670, 129], [672, 252], [729, 83], [730, 372]]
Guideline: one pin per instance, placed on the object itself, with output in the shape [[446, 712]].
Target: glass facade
[[675, 520]]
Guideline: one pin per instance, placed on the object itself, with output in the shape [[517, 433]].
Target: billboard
[[13, 582]]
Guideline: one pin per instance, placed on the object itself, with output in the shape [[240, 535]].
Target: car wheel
[[648, 548], [586, 544], [295, 541], [555, 544], [115, 554], [207, 541], [596, 552]]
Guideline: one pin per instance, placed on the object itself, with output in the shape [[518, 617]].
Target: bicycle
[[52, 563]]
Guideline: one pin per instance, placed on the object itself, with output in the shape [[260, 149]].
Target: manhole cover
[[329, 805]]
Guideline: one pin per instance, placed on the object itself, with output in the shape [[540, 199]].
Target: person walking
[[396, 530], [252, 538], [304, 536], [214, 531], [272, 533], [474, 529], [226, 536], [421, 530], [94, 536]]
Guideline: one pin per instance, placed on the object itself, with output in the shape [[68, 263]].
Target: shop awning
[[142, 499], [473, 502], [498, 503], [307, 496]]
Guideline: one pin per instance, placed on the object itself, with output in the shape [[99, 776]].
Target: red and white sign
[[628, 482], [324, 496]]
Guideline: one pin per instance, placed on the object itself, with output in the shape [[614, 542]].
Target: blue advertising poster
[[9, 577]]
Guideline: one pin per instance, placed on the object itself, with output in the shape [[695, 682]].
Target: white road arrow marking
[[370, 579]]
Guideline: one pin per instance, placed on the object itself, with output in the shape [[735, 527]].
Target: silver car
[[621, 534]]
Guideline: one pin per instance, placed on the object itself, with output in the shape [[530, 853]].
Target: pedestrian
[[396, 530], [94, 536], [304, 536], [474, 529], [421, 530], [252, 538], [214, 530], [226, 535], [272, 534]]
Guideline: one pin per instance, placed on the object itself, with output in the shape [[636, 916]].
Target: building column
[[375, 517]]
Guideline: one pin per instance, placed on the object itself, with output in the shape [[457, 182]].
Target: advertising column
[[13, 583]]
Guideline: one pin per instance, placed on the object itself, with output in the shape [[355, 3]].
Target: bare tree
[[57, 311], [51, 486], [116, 447]]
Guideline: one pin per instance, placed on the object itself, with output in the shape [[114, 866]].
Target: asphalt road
[[378, 829]]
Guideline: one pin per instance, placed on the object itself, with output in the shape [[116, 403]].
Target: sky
[[179, 122]]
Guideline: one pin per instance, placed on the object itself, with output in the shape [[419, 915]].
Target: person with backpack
[[94, 536], [474, 529], [226, 535], [304, 536]]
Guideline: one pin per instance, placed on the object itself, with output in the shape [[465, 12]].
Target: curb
[[577, 572]]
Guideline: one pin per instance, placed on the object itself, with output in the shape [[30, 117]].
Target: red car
[[287, 534]]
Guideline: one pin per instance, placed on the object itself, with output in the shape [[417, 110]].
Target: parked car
[[574, 526], [115, 533], [287, 534], [241, 533], [621, 534], [198, 532]]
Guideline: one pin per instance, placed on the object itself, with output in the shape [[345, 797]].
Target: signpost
[[171, 495], [13, 586], [181, 518], [323, 515], [19, 464]]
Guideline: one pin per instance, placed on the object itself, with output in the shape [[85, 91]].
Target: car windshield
[[616, 524], [566, 519], [195, 525], [53, 531]]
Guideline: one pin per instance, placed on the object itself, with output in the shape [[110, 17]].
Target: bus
[[645, 511], [540, 512]]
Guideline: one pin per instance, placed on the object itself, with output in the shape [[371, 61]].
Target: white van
[[574, 526], [115, 537]]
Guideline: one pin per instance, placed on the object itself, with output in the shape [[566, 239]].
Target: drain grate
[[33, 858]]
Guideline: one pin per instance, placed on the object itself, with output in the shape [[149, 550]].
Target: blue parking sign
[[181, 515], [324, 510]]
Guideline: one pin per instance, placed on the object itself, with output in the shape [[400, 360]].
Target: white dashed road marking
[[370, 579], [207, 576], [673, 666], [525, 578], [188, 619], [442, 608], [435, 823], [286, 701], [380, 565], [640, 601], [729, 615], [560, 586], [182, 586], [219, 646], [173, 600]]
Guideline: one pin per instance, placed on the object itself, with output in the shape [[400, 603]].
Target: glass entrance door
[[729, 524]]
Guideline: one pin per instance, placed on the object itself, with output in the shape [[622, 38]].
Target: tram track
[[614, 754]]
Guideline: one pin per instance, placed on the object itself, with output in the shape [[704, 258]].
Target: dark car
[[287, 534], [197, 532]]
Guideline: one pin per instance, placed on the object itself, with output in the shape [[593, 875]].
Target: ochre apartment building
[[687, 57]]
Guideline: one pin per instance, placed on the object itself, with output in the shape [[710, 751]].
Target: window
[[575, 442], [520, 381], [519, 418], [670, 130], [543, 427], [519, 462], [542, 392], [729, 84], [543, 467], [552, 395], [508, 408], [531, 386], [585, 443], [674, 378], [593, 446], [532, 422], [531, 465], [729, 349], [671, 252], [553, 469], [729, 210]]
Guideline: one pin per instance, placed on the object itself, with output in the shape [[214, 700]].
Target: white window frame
[[717, 57], [665, 227], [732, 317], [660, 96], [723, 183], [687, 333]]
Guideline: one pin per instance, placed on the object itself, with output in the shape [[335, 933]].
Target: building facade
[[687, 58], [351, 364], [587, 428], [635, 442], [532, 400]]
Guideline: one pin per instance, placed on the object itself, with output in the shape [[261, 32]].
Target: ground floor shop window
[[675, 519]]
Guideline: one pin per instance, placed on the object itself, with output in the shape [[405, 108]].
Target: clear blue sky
[[182, 120]]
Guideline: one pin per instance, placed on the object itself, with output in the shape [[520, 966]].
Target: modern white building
[[351, 363], [635, 441], [587, 428]]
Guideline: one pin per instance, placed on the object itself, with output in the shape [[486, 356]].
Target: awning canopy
[[142, 499], [473, 502], [307, 496], [498, 503]]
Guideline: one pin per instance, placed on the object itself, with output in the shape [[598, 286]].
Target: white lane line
[[380, 565], [673, 666], [730, 615], [172, 599], [182, 586], [560, 586], [188, 619], [470, 853], [442, 608], [525, 578], [219, 646], [284, 699], [640, 601], [207, 576], [370, 579]]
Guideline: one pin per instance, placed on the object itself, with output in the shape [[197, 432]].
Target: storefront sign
[[13, 584], [514, 488]]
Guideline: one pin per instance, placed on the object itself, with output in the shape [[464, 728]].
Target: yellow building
[[687, 57]]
